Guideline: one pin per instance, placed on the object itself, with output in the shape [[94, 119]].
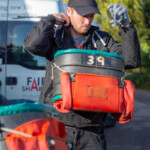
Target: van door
[[25, 72]]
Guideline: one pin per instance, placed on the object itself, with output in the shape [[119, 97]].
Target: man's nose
[[87, 20]]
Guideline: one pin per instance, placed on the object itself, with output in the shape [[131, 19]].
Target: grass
[[140, 79]]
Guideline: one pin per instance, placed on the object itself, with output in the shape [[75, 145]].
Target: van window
[[16, 52]]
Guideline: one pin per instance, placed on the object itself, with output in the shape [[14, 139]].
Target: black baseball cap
[[84, 7]]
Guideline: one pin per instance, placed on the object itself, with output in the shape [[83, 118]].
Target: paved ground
[[134, 135]]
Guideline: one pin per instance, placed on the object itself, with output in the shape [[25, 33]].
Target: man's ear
[[69, 11]]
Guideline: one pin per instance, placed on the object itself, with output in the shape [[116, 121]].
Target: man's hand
[[62, 18], [120, 15]]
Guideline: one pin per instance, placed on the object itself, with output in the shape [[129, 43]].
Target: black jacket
[[44, 40]]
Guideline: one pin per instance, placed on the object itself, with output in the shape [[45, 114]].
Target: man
[[84, 129]]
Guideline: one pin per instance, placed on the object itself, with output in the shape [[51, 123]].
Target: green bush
[[140, 79]]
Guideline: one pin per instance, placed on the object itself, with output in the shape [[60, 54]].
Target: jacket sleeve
[[130, 47], [39, 40]]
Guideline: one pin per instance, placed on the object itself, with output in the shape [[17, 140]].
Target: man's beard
[[81, 31]]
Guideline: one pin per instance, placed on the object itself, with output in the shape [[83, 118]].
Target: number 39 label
[[100, 60]]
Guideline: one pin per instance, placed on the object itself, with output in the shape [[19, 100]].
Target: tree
[[134, 8], [145, 45]]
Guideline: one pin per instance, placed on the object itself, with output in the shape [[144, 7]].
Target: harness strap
[[56, 66]]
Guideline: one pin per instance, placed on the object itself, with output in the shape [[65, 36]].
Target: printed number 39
[[100, 59]]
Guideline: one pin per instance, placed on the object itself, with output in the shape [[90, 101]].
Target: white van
[[21, 73]]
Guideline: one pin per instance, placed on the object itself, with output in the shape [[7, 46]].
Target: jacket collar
[[62, 31]]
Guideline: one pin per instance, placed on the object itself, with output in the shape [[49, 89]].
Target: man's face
[[81, 24]]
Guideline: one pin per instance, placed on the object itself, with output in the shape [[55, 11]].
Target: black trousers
[[85, 139]]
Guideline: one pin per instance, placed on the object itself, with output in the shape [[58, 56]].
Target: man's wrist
[[128, 25]]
